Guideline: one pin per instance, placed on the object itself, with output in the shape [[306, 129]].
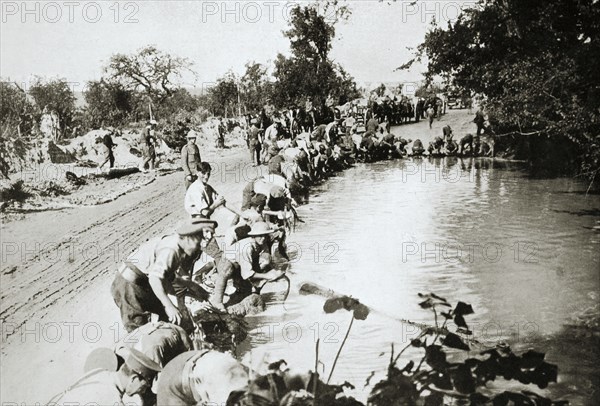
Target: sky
[[75, 39]]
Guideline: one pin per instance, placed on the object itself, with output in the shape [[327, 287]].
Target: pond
[[521, 251]]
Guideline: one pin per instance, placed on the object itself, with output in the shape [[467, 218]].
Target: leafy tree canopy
[[532, 61]]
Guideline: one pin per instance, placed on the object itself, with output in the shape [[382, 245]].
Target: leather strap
[[186, 375]]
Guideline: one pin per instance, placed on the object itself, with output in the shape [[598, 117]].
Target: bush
[[16, 192]]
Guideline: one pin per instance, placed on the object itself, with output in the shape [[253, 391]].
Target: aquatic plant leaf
[[544, 374], [463, 309], [432, 300], [446, 315], [332, 305], [459, 320], [472, 362], [441, 380], [523, 377], [427, 304], [360, 311], [463, 379], [348, 303], [435, 357], [532, 359], [509, 366], [416, 343], [486, 370], [395, 390], [408, 366], [465, 331], [453, 341]]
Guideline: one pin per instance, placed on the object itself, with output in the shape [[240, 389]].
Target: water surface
[[522, 251]]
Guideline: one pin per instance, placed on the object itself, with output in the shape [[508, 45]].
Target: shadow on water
[[585, 212], [579, 382]]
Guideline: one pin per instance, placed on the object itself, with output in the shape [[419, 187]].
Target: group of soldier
[[315, 152], [165, 286]]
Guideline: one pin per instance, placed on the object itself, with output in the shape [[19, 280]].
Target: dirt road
[[55, 303]]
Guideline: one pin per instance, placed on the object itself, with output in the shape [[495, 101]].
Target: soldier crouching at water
[[103, 387], [144, 281], [435, 146], [466, 141], [200, 378], [417, 148]]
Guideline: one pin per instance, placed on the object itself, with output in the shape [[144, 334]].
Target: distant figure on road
[[148, 152], [254, 142], [190, 159], [108, 141], [479, 120], [430, 115]]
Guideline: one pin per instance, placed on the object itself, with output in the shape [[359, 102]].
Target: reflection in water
[[475, 230]]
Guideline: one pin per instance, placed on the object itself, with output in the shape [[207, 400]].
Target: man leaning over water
[[161, 266]]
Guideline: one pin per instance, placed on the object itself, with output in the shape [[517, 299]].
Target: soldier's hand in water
[[173, 314], [206, 306]]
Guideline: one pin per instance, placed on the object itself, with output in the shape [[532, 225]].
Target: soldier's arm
[[161, 272], [199, 158]]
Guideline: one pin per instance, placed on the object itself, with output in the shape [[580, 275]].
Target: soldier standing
[[190, 159]]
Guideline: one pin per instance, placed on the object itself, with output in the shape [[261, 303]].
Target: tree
[[15, 110], [16, 120], [255, 87], [309, 72], [531, 62], [223, 97], [181, 100], [107, 103], [150, 71], [54, 95]]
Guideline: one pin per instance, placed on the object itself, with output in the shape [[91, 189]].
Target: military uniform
[[160, 257], [160, 341], [190, 160], [102, 387], [97, 387], [254, 144], [174, 385]]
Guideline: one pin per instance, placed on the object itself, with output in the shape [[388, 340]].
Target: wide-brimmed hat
[[195, 226], [142, 364], [277, 192], [259, 200], [101, 358], [191, 134], [260, 228]]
